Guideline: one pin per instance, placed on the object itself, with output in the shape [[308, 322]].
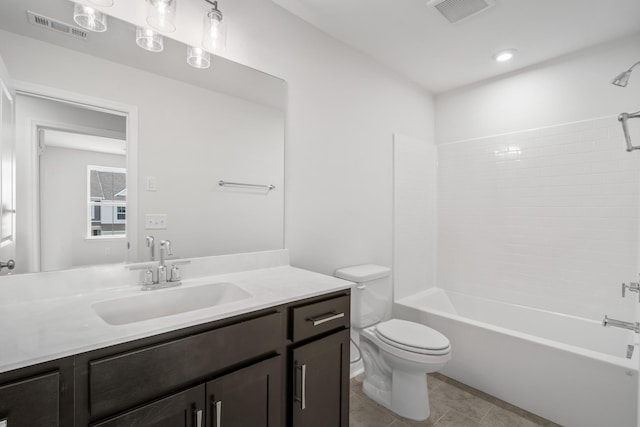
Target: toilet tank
[[371, 297]]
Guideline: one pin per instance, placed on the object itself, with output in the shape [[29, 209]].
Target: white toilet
[[397, 354]]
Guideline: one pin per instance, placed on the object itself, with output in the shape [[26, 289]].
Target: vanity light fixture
[[214, 30], [198, 57], [103, 3], [161, 14], [149, 40], [89, 18], [504, 56]]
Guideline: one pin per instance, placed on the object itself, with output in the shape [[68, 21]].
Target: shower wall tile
[[545, 218]]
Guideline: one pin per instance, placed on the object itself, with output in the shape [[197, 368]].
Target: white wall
[[564, 90], [343, 110], [414, 215], [535, 214], [63, 203]]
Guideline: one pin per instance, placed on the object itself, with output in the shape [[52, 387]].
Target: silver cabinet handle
[[325, 318], [217, 406], [198, 414], [303, 387], [11, 264]]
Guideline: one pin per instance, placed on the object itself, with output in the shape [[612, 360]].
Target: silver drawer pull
[[303, 386], [198, 414], [218, 408], [325, 318]]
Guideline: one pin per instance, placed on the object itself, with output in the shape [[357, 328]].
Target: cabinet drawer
[[316, 318], [124, 380], [31, 402]]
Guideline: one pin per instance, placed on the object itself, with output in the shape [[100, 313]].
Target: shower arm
[[622, 118]]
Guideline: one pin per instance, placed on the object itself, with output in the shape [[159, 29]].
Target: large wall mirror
[[114, 144]]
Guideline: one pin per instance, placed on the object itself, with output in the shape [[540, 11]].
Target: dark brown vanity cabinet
[[183, 409], [319, 364], [31, 402], [249, 397], [39, 395], [281, 366]]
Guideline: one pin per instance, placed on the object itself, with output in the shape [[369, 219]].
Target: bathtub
[[568, 369]]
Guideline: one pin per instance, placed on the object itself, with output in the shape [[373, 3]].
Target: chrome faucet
[[165, 247], [163, 279], [151, 244]]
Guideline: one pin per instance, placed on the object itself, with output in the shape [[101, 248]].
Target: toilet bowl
[[395, 369], [397, 354]]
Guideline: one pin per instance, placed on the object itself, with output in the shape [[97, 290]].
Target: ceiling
[[419, 43]]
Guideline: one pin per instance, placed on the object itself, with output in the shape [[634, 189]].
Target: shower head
[[623, 78]]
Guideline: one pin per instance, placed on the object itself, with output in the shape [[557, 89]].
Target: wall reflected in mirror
[[192, 129]]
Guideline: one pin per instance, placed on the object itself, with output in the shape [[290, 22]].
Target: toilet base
[[407, 395]]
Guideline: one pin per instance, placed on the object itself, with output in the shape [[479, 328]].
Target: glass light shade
[[149, 40], [104, 3], [161, 14], [214, 32], [89, 18], [198, 57]]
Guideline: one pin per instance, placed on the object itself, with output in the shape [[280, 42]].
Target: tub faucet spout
[[633, 326]]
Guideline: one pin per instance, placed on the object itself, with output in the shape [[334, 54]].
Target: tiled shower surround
[[545, 218]]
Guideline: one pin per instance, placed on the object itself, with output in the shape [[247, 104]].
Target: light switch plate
[[155, 221], [152, 184]]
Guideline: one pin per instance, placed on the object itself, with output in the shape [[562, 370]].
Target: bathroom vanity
[[279, 361]]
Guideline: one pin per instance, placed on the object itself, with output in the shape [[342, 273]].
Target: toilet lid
[[412, 336]]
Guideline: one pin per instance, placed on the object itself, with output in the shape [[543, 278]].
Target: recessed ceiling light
[[505, 55]]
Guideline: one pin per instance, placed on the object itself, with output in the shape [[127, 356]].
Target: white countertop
[[35, 331]]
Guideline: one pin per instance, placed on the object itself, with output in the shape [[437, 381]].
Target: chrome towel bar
[[240, 184]]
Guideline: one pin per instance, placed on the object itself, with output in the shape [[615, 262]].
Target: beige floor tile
[[433, 381], [499, 417], [453, 404], [461, 401], [455, 419], [364, 413]]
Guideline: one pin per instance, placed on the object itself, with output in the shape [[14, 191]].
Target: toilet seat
[[412, 337]]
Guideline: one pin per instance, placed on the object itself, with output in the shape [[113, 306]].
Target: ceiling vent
[[57, 26], [458, 10]]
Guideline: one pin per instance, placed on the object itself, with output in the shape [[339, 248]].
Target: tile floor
[[453, 404]]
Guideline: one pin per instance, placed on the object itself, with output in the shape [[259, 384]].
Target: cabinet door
[[249, 397], [31, 402], [320, 382], [185, 409]]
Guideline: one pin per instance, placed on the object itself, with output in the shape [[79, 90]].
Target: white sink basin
[[165, 302]]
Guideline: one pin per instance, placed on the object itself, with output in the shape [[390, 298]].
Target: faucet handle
[[167, 245], [175, 274], [148, 277]]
